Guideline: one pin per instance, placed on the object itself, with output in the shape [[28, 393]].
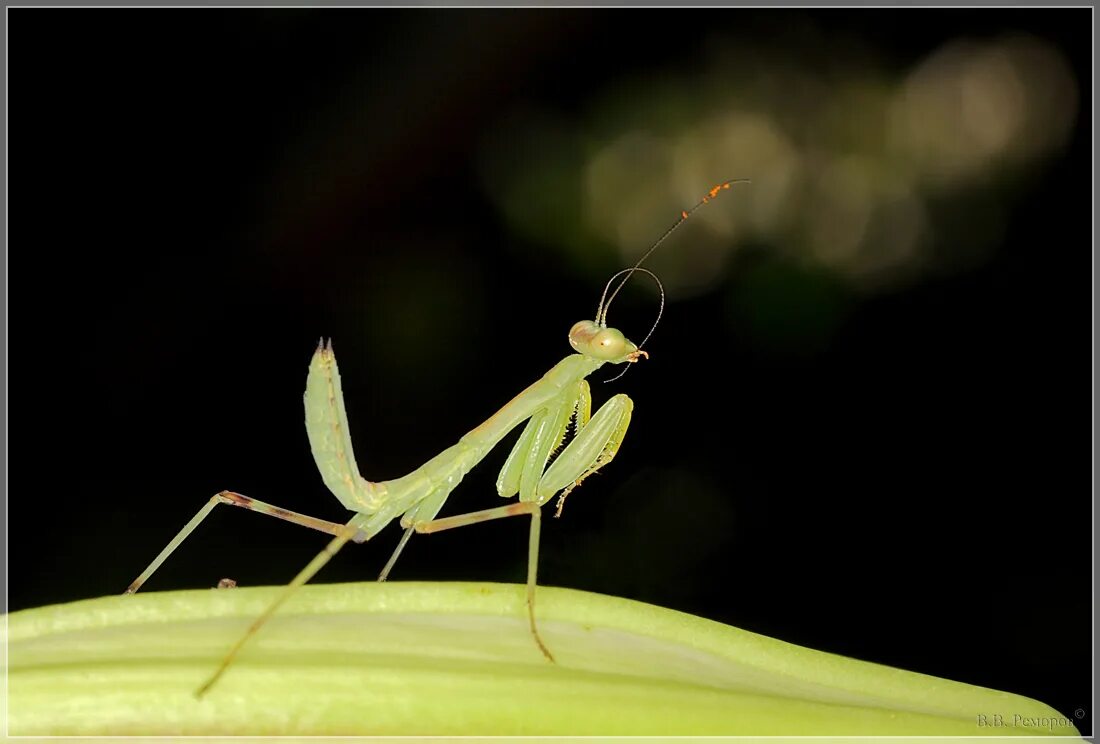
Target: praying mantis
[[562, 396]]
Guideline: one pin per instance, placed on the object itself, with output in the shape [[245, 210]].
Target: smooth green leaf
[[456, 658]]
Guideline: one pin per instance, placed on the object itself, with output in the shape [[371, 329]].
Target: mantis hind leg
[[346, 533], [393, 558], [233, 499]]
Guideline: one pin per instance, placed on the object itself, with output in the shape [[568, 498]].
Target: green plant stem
[[453, 659]]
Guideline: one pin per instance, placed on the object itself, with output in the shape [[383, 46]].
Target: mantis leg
[[233, 499], [360, 528], [543, 434], [595, 444], [345, 534], [393, 558], [511, 510]]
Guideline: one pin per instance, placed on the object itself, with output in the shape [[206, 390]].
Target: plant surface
[[456, 658]]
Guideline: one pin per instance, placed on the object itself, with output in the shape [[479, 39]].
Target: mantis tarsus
[[561, 396]]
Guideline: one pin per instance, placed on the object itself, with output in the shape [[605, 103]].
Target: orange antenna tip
[[605, 300]]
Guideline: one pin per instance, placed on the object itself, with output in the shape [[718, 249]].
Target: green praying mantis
[[562, 396]]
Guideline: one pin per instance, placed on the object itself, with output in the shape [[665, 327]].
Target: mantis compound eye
[[588, 338], [609, 344]]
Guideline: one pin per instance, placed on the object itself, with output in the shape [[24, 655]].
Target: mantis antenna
[[605, 301], [652, 328]]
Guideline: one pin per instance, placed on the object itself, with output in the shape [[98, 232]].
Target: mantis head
[[594, 339], [600, 342]]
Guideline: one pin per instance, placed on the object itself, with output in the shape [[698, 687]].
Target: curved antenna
[[660, 290], [660, 311], [601, 311]]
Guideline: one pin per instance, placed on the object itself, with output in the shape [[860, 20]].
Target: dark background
[[197, 196]]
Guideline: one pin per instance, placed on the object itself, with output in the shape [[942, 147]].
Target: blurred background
[[865, 426]]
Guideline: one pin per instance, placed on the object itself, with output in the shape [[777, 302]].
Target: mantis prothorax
[[549, 405]]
